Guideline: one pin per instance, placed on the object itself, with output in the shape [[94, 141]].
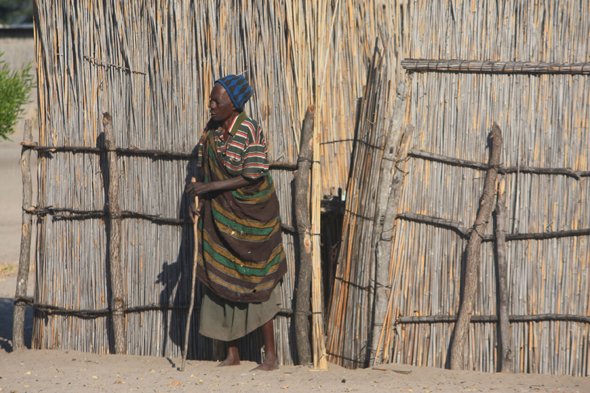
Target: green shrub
[[15, 89]]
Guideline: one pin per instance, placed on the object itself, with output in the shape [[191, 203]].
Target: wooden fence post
[[380, 286], [320, 357], [114, 224], [505, 353], [384, 245], [301, 314], [18, 323], [486, 204]]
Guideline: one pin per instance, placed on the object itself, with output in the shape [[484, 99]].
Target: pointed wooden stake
[[193, 284]]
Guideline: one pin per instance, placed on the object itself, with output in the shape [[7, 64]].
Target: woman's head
[[237, 88], [221, 106]]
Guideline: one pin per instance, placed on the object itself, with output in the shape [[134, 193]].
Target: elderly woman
[[240, 252]]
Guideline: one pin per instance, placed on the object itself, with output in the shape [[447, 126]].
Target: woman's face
[[220, 106]]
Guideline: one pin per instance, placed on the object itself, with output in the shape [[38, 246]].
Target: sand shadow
[[6, 320]]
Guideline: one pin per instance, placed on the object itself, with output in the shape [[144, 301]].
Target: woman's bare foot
[[270, 358], [233, 356], [269, 364]]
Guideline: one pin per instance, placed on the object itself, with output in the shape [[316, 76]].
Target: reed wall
[[151, 66], [545, 276], [544, 120]]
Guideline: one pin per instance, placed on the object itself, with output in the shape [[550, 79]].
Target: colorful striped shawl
[[240, 248], [245, 153]]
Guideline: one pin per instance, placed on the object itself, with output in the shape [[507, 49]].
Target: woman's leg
[[270, 358]]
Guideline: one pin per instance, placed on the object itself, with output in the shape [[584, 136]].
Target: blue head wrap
[[238, 89]]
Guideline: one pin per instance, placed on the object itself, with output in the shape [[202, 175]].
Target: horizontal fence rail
[[465, 232], [494, 318], [73, 214], [136, 153], [49, 309], [495, 67], [503, 170]]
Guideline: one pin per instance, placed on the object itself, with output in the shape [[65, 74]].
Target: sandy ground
[[55, 371]]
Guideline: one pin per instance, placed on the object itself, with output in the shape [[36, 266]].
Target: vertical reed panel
[[545, 121], [545, 124], [152, 67]]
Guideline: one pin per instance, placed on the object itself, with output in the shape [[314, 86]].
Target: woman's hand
[[195, 211], [196, 189]]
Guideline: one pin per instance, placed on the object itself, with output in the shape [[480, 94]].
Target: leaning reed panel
[[350, 311], [347, 53]]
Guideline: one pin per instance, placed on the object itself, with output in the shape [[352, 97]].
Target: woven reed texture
[[544, 120], [152, 67]]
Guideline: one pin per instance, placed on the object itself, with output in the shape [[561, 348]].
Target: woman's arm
[[194, 189]]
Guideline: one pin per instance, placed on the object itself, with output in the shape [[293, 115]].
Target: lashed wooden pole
[[381, 209], [114, 224], [505, 353], [384, 247], [473, 256], [301, 317], [320, 359], [495, 67], [22, 280], [193, 284]]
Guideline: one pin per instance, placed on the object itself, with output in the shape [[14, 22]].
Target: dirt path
[[57, 371]]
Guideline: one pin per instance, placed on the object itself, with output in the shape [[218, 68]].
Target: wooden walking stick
[[194, 279]]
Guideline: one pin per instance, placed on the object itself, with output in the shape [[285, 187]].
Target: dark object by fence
[[473, 251]]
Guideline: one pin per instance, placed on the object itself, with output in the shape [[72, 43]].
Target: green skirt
[[225, 320]]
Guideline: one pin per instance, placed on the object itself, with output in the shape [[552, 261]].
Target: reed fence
[[544, 116], [152, 66]]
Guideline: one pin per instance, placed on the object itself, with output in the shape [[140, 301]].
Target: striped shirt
[[245, 152]]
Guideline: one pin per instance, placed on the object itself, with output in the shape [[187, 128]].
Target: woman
[[240, 253]]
